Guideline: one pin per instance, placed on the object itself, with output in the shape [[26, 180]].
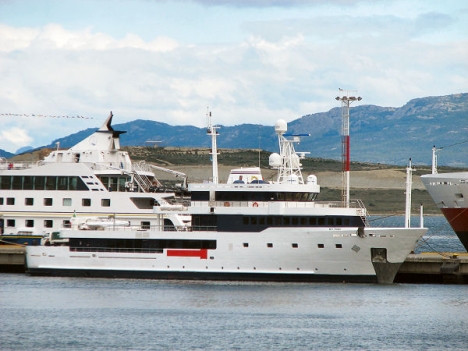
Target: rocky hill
[[386, 135]]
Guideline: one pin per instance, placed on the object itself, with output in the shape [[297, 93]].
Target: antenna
[[346, 100], [212, 130]]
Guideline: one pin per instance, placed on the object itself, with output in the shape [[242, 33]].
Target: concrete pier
[[12, 259], [432, 267], [424, 268]]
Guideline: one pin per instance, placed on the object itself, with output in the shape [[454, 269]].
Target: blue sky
[[247, 61]]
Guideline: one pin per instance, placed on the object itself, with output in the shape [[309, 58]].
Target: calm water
[[108, 314], [439, 238], [123, 314]]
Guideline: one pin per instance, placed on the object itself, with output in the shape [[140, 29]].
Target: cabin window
[[86, 202], [10, 200], [261, 220], [246, 244], [270, 245], [29, 201], [122, 182], [253, 220], [28, 182], [66, 223], [11, 223], [321, 221], [29, 223], [338, 246], [245, 220], [62, 183], [39, 183], [330, 221], [286, 220], [48, 201], [17, 183], [303, 221], [320, 246], [1, 200], [294, 245], [145, 225], [73, 183], [295, 221], [66, 201], [105, 181], [48, 223], [51, 183], [5, 183], [113, 183], [339, 221], [105, 202]]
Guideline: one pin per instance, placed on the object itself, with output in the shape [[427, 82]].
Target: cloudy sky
[[247, 61]]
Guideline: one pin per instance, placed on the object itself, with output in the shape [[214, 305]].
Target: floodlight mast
[[346, 101]]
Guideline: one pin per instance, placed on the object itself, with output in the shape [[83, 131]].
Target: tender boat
[[262, 231]]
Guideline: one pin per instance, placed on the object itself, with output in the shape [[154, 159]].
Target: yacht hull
[[296, 255]]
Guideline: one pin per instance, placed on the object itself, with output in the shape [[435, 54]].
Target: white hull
[[299, 254], [450, 193], [448, 189]]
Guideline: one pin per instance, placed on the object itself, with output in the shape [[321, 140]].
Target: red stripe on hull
[[203, 253], [458, 220]]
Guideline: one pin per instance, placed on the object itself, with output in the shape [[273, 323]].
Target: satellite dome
[[281, 126], [274, 160]]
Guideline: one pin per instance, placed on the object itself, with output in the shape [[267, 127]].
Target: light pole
[[346, 100]]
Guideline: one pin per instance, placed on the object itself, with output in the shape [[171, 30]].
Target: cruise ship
[[246, 229], [450, 193], [93, 178]]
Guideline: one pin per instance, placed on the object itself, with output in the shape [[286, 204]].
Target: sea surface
[[439, 238], [49, 313]]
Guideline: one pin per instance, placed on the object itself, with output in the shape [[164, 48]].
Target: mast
[[346, 100], [288, 160], [409, 183], [434, 159], [212, 130]]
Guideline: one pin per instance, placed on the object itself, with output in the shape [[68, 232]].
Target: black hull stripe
[[265, 277]]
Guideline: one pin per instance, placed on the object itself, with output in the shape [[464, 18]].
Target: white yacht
[[257, 230], [93, 178]]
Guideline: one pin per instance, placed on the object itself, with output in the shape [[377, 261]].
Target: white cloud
[[280, 64], [14, 138]]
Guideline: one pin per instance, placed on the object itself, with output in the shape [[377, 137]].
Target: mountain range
[[387, 135]]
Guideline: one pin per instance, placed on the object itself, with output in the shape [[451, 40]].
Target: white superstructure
[[93, 178], [239, 231]]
